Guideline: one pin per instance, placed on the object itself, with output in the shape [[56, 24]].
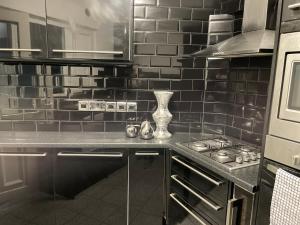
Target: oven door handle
[[104, 155], [232, 203], [189, 211], [203, 199], [146, 153], [294, 6], [19, 154], [217, 183]]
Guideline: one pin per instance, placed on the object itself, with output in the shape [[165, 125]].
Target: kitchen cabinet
[[146, 187], [22, 29], [196, 195], [91, 186], [26, 187], [89, 29], [69, 29]]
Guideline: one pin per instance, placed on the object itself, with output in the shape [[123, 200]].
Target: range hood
[[257, 37]]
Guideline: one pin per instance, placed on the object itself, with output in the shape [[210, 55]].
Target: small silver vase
[[162, 116]]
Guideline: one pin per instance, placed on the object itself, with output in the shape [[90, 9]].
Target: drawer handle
[[174, 197], [294, 6], [147, 153], [207, 202], [19, 50], [218, 183], [88, 52], [16, 154], [108, 155]]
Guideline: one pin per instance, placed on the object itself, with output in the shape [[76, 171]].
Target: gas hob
[[228, 155]]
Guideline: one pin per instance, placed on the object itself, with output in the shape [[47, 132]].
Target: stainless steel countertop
[[246, 178]]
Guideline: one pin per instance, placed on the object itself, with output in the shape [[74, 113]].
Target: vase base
[[162, 135]]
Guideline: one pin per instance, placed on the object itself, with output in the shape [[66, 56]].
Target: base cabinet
[[26, 187], [146, 187], [91, 186]]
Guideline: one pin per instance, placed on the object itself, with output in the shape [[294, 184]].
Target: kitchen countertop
[[246, 178]]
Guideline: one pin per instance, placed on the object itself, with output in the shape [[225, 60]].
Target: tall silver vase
[[162, 116]]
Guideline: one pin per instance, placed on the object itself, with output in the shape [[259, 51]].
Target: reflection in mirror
[[88, 28], [22, 28]]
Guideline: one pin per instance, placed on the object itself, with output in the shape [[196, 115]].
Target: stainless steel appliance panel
[[285, 111], [23, 29], [266, 189], [291, 10], [89, 29]]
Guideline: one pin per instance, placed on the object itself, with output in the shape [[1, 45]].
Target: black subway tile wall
[[45, 97]]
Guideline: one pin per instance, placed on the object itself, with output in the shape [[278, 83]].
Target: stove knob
[[239, 159], [246, 158], [258, 155], [253, 156]]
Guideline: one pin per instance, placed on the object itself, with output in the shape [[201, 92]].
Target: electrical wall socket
[[111, 106], [97, 106], [84, 106], [131, 106], [121, 107]]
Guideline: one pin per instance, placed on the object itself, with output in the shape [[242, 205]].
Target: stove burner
[[222, 153], [244, 149], [223, 156], [198, 146]]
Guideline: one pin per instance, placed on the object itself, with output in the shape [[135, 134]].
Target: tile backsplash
[[229, 97], [45, 97]]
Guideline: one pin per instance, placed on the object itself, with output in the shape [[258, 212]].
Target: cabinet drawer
[[291, 10], [205, 206], [207, 182], [182, 213]]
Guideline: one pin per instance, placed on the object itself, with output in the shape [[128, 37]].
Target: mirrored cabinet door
[[22, 29], [90, 29], [26, 187]]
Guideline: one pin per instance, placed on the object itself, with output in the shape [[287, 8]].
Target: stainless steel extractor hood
[[257, 37]]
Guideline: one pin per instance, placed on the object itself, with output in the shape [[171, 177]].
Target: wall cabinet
[[70, 29], [146, 187], [22, 29]]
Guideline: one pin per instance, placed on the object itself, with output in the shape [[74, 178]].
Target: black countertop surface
[[246, 178]]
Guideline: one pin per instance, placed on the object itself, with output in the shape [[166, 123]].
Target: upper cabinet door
[[22, 29], [89, 29]]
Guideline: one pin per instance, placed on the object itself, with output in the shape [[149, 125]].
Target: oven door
[[285, 112]]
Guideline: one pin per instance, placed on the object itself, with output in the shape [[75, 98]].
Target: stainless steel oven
[[282, 142]]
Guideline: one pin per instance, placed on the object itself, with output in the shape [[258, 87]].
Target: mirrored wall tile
[[66, 104], [45, 103], [233, 132], [170, 73], [80, 70], [93, 126], [34, 115], [5, 126], [252, 137], [242, 123], [49, 126], [145, 95], [160, 84], [125, 94], [57, 115], [137, 84], [104, 94], [115, 126], [24, 126], [6, 69], [57, 92], [213, 129], [191, 95], [21, 103], [3, 80], [70, 126], [180, 106], [77, 93], [190, 117], [196, 127], [178, 127], [80, 116], [103, 71], [12, 114], [147, 72], [31, 92]]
